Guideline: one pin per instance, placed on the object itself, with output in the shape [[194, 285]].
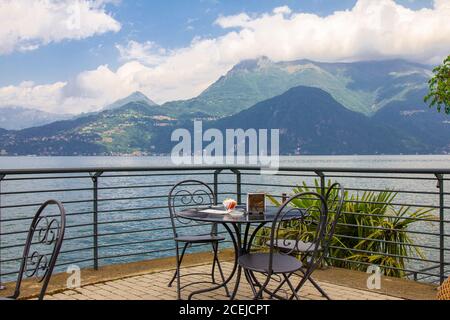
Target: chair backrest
[[303, 211], [335, 198], [42, 247], [185, 194], [312, 215]]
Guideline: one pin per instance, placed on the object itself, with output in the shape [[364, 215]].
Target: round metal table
[[242, 242]]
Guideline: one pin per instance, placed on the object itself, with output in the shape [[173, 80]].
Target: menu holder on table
[[256, 203]]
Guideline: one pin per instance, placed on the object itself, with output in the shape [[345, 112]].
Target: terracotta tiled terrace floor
[[153, 286]]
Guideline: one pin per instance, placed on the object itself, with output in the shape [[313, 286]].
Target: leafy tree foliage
[[439, 95]]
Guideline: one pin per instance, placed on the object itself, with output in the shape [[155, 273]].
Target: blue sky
[[171, 24], [159, 29]]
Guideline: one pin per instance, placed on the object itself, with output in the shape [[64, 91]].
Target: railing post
[[238, 185], [322, 182], [2, 176], [216, 185], [94, 177], [440, 185]]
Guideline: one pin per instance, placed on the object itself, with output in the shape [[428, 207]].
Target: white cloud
[[27, 25], [282, 10], [148, 52], [378, 29], [28, 94], [372, 29]]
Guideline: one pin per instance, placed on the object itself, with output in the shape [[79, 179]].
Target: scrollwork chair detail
[[192, 193], [281, 261], [46, 232]]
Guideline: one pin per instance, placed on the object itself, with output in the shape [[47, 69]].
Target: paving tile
[[154, 287]]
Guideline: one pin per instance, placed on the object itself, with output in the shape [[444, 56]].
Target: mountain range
[[321, 108], [363, 87], [137, 97], [17, 118]]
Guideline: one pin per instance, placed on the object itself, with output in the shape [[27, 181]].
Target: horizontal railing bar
[[160, 175], [27, 205], [20, 245], [382, 267], [144, 197], [427, 269], [75, 226], [313, 187], [391, 242], [105, 246], [384, 254], [149, 252], [394, 217], [91, 200], [75, 214], [57, 265], [45, 191], [255, 174], [371, 239], [388, 229], [132, 220], [418, 171], [148, 241], [150, 230], [84, 225], [387, 204], [381, 177], [31, 178], [387, 215], [90, 189], [61, 253]]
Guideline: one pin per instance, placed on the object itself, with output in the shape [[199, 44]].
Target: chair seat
[[292, 245], [259, 262], [200, 239]]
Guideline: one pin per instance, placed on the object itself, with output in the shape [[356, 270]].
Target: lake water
[[140, 246], [400, 161]]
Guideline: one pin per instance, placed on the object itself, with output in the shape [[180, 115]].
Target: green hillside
[[363, 87]]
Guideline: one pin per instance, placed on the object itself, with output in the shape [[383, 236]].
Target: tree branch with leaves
[[439, 95]]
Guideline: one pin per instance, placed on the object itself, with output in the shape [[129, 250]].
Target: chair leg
[[219, 267], [286, 279], [250, 281], [213, 276], [177, 272], [316, 285], [279, 287], [259, 294], [301, 284]]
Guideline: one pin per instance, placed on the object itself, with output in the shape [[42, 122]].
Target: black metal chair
[[282, 261], [183, 195], [42, 247], [334, 198]]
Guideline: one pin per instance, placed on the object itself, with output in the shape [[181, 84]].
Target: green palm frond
[[371, 229]]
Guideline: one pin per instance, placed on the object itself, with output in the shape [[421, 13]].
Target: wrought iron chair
[[184, 195], [42, 247], [283, 263], [335, 199]]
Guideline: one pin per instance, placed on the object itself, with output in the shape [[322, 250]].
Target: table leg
[[240, 252], [237, 249], [241, 247]]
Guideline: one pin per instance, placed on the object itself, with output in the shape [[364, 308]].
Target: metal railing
[[118, 215]]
